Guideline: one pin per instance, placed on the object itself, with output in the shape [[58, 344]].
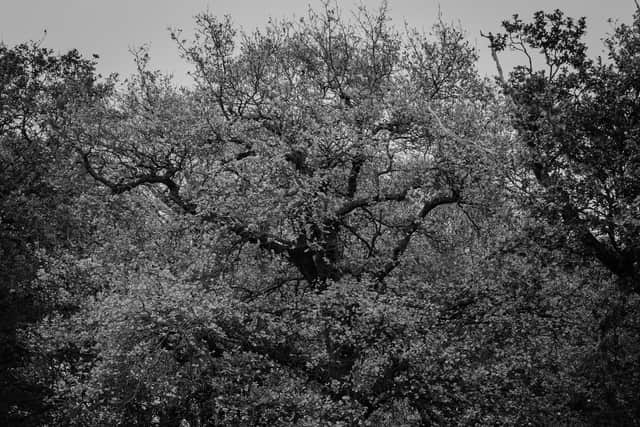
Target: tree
[[321, 134], [317, 154], [579, 119], [40, 216]]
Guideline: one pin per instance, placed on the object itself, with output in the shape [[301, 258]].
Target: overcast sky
[[110, 27]]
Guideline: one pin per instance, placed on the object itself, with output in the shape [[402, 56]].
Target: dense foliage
[[338, 224], [42, 198]]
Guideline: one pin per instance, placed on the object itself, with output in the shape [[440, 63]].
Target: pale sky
[[110, 27]]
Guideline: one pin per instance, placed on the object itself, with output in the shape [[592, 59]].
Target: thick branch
[[352, 184], [265, 240], [614, 261], [403, 243], [123, 187], [364, 202], [298, 159], [119, 188]]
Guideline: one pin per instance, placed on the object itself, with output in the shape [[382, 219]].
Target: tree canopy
[[339, 223]]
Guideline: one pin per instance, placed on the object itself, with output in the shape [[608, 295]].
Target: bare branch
[[494, 55]]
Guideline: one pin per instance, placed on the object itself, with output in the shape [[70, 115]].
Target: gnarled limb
[[122, 187]]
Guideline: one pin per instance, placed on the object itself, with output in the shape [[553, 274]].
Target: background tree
[[42, 225], [579, 120]]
